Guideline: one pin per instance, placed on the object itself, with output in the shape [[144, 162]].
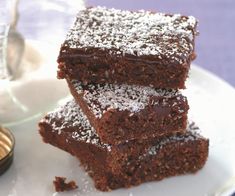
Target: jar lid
[[7, 144]]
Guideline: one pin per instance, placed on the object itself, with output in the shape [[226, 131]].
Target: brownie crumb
[[61, 185]]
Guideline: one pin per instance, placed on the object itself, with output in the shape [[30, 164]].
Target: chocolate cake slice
[[126, 112], [127, 164], [143, 48]]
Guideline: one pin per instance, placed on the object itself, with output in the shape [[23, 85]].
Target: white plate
[[212, 107]]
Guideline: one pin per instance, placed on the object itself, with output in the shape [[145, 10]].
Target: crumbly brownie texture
[[127, 164], [126, 112], [61, 186], [115, 46]]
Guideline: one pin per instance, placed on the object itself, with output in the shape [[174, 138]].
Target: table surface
[[215, 46]]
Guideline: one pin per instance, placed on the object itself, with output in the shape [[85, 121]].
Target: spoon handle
[[14, 14], [4, 29]]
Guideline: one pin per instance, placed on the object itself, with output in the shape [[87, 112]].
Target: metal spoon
[[16, 45]]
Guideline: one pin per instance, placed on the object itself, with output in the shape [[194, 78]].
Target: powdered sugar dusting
[[71, 117], [135, 33], [192, 134], [133, 98]]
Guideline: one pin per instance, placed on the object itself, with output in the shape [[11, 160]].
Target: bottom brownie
[[127, 164]]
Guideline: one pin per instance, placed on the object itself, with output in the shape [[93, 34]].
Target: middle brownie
[[125, 112]]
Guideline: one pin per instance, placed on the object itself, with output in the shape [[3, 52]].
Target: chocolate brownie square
[[127, 164], [143, 48], [126, 112]]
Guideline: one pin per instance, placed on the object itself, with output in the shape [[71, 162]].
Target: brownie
[[127, 164], [115, 46], [126, 112]]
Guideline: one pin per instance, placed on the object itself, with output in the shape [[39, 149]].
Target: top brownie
[[115, 46]]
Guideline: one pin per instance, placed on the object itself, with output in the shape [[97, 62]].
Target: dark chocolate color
[[125, 112], [142, 48], [127, 164], [61, 186]]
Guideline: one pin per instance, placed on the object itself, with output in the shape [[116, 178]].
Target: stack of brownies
[[127, 123]]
